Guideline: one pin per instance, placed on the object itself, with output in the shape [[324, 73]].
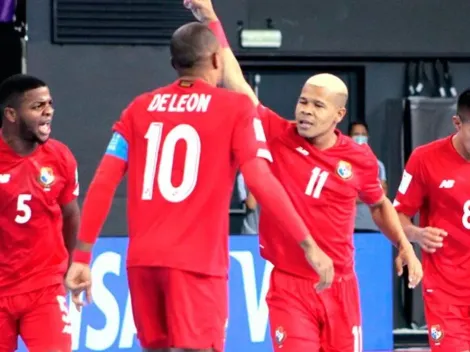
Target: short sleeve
[[241, 187], [248, 138], [273, 124], [71, 189], [382, 173], [370, 190], [412, 190], [123, 126]]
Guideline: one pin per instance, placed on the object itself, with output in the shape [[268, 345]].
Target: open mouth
[[45, 127], [304, 124]]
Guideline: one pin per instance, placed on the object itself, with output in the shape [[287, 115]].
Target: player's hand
[[78, 280], [407, 256], [323, 265], [430, 239], [202, 10]]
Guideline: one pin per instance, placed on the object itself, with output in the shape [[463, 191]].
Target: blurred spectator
[[359, 132], [251, 220]]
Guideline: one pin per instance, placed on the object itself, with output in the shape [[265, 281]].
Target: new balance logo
[[4, 178], [302, 151], [447, 184]]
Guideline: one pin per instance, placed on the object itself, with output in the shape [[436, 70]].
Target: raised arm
[[233, 75]]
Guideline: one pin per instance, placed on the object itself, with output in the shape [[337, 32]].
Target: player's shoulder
[[434, 148], [358, 153], [59, 150], [55, 145], [144, 99]]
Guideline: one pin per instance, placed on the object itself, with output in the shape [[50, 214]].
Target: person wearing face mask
[[359, 132]]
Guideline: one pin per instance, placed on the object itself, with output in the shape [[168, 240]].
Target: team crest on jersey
[[344, 170], [280, 335], [436, 333], [46, 177]]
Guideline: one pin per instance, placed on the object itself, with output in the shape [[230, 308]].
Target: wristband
[[81, 257], [218, 30]]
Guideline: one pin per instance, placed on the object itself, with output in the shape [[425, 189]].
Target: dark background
[[93, 83], [367, 42]]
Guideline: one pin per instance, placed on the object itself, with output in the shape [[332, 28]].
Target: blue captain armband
[[118, 147]]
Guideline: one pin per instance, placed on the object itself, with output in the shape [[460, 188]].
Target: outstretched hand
[[202, 10]]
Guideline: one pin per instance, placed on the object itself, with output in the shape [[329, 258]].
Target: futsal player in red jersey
[[323, 172], [39, 218], [436, 183], [181, 146]]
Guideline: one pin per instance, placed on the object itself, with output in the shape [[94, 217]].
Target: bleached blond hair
[[331, 82]]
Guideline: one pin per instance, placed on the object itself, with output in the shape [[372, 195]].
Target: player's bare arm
[[386, 218], [96, 207], [251, 201], [410, 197], [384, 186], [233, 75], [429, 238], [71, 223]]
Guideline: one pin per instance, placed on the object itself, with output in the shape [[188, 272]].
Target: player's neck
[[324, 141], [456, 142], [18, 145], [198, 75]]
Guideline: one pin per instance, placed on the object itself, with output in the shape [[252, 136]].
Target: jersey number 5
[[23, 209]]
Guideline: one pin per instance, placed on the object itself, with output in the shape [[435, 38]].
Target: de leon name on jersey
[[180, 103]]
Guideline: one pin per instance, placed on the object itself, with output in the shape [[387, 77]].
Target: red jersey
[[185, 143], [32, 190], [436, 183], [324, 186]]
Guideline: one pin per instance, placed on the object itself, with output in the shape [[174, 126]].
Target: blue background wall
[[107, 324]]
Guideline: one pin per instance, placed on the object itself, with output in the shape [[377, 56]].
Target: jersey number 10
[[191, 162]]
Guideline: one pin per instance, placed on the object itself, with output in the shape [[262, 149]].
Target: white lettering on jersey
[[76, 191], [261, 137], [5, 178], [405, 182], [447, 184], [316, 182], [466, 215], [191, 162], [302, 151], [357, 334], [180, 103]]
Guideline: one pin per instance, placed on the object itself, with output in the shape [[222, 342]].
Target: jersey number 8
[[466, 215]]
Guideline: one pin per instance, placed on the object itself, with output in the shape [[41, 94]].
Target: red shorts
[[303, 320], [448, 325], [40, 317], [178, 309]]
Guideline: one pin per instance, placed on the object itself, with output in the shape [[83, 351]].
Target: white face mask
[[360, 139]]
